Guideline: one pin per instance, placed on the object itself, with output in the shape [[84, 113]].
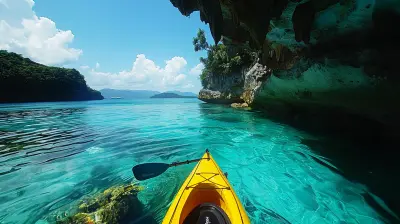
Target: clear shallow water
[[52, 154]]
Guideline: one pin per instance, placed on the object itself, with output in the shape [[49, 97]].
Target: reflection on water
[[53, 154]]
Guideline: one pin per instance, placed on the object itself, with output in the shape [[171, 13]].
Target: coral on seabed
[[114, 205], [80, 218]]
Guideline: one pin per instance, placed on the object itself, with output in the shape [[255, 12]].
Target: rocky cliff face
[[239, 87], [314, 54]]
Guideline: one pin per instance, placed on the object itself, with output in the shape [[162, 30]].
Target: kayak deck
[[206, 184]]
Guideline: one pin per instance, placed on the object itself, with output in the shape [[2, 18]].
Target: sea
[[54, 154]]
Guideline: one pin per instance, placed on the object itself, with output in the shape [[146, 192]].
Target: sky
[[124, 44]]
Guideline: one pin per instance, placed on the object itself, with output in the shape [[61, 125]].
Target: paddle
[[149, 170]]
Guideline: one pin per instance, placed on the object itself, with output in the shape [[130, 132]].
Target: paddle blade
[[149, 170]]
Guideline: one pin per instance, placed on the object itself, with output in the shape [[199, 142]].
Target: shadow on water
[[360, 149], [214, 112]]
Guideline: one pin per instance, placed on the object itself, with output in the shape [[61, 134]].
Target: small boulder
[[115, 205], [239, 105]]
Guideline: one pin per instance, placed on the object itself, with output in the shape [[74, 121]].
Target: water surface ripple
[[52, 154]]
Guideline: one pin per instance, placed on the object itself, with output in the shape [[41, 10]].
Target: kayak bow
[[206, 197]]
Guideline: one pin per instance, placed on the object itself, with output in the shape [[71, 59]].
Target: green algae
[[114, 205], [80, 218]]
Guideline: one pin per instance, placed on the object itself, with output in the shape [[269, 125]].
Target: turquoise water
[[52, 154]]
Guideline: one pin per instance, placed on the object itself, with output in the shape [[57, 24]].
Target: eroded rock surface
[[240, 105], [328, 53], [117, 204], [242, 87]]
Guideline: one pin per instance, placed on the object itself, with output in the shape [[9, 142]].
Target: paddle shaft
[[184, 162], [149, 170]]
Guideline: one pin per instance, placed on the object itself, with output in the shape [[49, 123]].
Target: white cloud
[[38, 38], [30, 2], [196, 70], [144, 74], [175, 64], [84, 67], [188, 86], [4, 3]]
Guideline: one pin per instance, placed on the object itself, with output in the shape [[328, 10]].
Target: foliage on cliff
[[22, 80], [222, 59]]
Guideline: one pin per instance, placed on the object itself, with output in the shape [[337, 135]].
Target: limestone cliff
[[314, 54]]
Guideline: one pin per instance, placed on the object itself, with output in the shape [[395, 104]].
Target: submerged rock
[[211, 96], [80, 218], [115, 205], [240, 105]]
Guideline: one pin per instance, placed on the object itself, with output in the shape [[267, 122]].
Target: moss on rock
[[80, 218], [241, 105], [114, 205]]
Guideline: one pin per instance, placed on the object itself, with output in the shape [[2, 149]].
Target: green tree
[[22, 80], [200, 42], [220, 60]]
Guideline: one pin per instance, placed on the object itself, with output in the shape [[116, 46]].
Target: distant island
[[22, 80], [171, 95], [182, 93], [127, 94], [141, 94]]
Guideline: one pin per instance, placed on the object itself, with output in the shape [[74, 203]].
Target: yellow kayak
[[206, 197]]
